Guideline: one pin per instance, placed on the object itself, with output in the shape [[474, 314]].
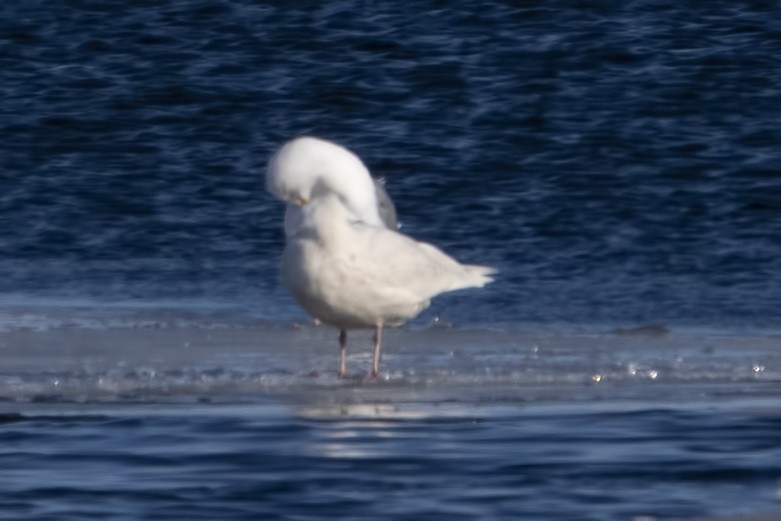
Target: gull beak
[[301, 201]]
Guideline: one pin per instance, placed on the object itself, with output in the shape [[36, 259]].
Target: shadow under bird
[[344, 263]]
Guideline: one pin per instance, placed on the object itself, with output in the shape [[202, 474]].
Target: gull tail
[[476, 276]]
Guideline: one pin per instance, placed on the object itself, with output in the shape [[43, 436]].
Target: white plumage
[[341, 263], [306, 165]]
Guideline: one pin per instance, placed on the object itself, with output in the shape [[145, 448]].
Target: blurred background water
[[620, 163]]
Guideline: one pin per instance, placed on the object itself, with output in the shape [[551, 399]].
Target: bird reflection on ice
[[356, 438], [375, 430], [361, 412]]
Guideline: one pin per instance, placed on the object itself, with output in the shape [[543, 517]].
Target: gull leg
[[342, 353], [377, 344]]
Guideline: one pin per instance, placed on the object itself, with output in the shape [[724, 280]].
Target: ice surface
[[147, 356]]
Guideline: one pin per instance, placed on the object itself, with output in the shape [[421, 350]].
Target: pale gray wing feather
[[390, 259], [385, 205]]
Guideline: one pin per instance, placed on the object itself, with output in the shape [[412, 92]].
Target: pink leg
[[342, 353], [377, 344]]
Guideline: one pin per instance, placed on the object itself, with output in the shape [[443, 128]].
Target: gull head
[[307, 167]]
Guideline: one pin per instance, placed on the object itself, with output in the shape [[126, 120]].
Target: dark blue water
[[256, 463], [619, 162]]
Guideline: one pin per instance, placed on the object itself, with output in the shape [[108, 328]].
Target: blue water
[[259, 463], [620, 163]]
